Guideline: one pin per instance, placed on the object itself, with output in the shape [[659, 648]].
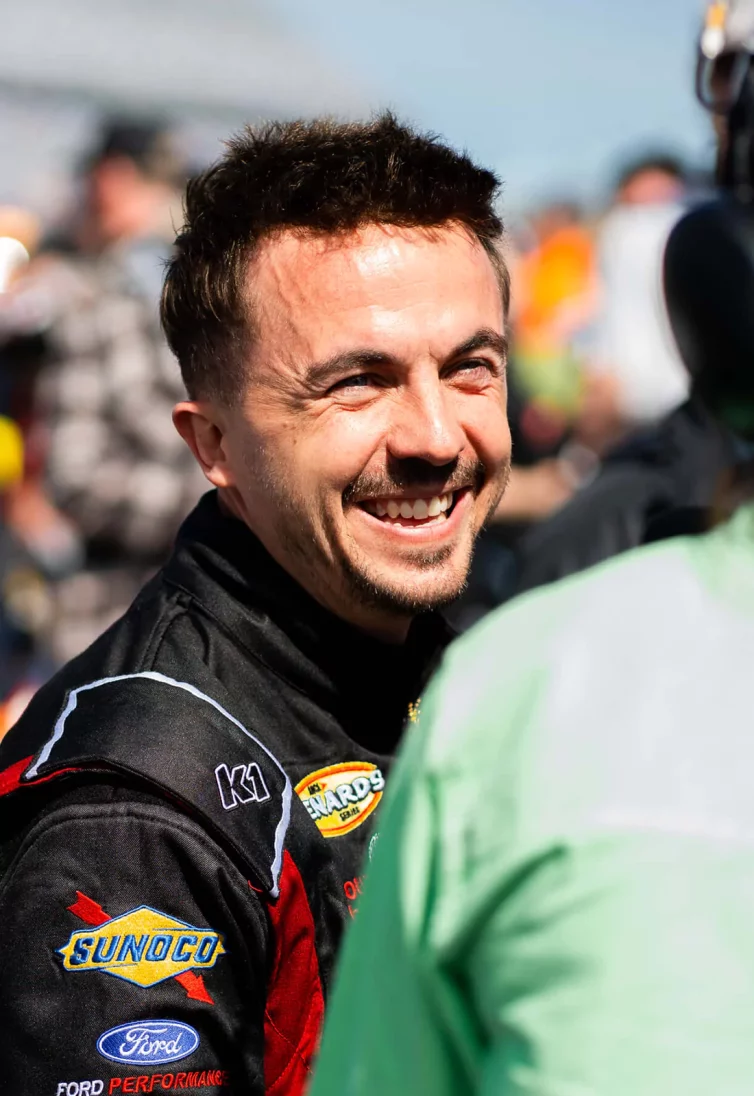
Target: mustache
[[415, 474]]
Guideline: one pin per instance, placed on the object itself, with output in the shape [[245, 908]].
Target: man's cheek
[[491, 436], [359, 432]]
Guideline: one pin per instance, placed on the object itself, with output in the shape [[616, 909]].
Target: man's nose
[[425, 426]]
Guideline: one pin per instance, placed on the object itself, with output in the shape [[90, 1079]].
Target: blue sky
[[551, 93]]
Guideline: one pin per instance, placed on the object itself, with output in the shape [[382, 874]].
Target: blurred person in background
[[593, 366], [660, 482], [663, 477], [554, 292], [24, 593], [132, 180], [109, 461], [187, 803], [562, 894], [636, 373]]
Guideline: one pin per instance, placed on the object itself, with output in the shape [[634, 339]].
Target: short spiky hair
[[323, 177]]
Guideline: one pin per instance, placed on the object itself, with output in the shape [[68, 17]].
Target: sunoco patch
[[143, 946], [340, 797]]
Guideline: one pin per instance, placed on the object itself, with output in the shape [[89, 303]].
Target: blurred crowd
[[94, 480]]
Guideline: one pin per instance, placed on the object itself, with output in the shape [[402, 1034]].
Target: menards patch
[[340, 797]]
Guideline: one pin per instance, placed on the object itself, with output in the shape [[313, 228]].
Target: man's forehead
[[372, 266]]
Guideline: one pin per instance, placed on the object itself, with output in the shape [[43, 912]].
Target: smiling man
[[187, 806]]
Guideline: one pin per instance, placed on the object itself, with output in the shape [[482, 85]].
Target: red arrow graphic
[[91, 913], [88, 910], [194, 986]]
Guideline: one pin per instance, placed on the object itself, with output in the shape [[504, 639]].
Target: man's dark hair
[[323, 177]]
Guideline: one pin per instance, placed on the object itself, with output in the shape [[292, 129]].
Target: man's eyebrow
[[484, 339], [340, 365]]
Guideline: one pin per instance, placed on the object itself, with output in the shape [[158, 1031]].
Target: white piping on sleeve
[[153, 675]]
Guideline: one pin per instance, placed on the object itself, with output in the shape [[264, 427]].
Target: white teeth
[[410, 509]]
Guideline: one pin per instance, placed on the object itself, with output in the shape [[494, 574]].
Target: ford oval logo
[[148, 1042]]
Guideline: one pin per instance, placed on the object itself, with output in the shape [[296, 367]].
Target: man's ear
[[202, 427]]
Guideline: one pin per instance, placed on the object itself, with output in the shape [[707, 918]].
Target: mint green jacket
[[561, 897]]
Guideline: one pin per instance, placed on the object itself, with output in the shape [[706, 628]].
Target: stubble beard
[[389, 598], [360, 581], [400, 597], [401, 600]]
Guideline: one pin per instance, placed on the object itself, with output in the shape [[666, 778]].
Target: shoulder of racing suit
[[178, 741], [150, 762]]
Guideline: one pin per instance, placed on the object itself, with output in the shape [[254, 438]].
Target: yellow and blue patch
[[340, 797], [142, 946]]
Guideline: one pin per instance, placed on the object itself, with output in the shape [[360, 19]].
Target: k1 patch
[[340, 797], [143, 946]]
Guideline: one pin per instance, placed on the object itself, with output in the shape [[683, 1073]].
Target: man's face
[[372, 441]]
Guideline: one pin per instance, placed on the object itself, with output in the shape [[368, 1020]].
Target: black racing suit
[[184, 814]]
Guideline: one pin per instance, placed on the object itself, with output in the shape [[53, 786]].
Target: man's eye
[[476, 365], [359, 380]]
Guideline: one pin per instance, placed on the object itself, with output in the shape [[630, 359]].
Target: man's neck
[[386, 627]]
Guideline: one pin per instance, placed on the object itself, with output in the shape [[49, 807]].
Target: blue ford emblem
[[148, 1042]]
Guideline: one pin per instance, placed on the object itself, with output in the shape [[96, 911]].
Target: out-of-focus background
[[584, 108]]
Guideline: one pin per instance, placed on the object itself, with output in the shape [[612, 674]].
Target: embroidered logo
[[80, 1088], [340, 797], [148, 1042], [241, 784], [142, 946]]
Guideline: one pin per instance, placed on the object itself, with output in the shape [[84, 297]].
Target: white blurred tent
[[220, 54], [61, 63]]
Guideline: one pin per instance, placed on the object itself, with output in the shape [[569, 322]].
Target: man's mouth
[[428, 510]]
